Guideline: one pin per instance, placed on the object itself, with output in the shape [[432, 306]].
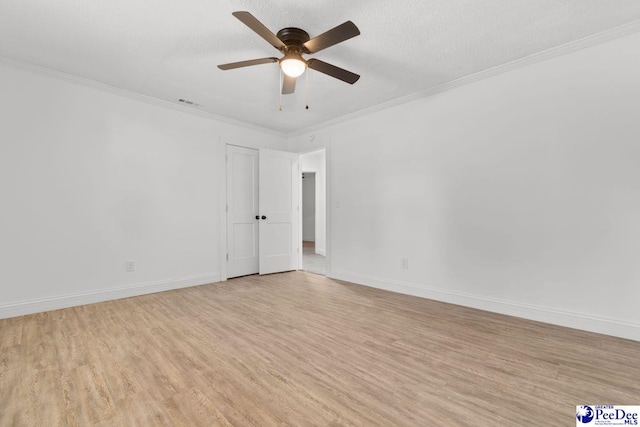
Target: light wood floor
[[300, 349]]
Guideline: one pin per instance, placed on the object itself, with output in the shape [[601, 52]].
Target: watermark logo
[[607, 415], [584, 414]]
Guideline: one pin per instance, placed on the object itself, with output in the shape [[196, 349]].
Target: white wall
[[316, 162], [309, 207], [90, 179], [519, 193]]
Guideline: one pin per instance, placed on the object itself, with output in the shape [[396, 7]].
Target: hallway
[[311, 261]]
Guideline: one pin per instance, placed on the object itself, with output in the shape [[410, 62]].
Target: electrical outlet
[[129, 266], [404, 263]]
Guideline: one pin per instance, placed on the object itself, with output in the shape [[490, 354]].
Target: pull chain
[[280, 82], [307, 94]]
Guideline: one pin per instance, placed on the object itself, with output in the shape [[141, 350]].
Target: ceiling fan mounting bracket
[[293, 36], [294, 39]]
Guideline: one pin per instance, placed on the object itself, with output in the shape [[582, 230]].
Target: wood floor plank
[[301, 349]]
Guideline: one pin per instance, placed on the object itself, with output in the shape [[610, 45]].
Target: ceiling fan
[[293, 43]]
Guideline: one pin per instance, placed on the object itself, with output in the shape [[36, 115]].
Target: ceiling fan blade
[[334, 36], [288, 85], [252, 22], [333, 71], [241, 64]]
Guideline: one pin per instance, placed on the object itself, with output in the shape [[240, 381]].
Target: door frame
[[222, 199], [221, 164]]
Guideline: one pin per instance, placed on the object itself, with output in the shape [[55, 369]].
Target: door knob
[[264, 217], [257, 216]]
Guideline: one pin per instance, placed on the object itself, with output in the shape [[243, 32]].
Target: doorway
[[313, 215]]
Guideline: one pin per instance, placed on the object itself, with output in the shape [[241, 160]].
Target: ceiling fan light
[[293, 66]]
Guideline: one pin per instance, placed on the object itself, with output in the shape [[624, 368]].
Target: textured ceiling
[[169, 49]]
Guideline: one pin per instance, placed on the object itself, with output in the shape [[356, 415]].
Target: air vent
[[186, 101]]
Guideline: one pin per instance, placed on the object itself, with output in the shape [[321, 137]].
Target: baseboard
[[571, 320], [72, 300]]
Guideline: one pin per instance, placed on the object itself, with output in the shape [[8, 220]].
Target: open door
[[262, 211], [278, 195]]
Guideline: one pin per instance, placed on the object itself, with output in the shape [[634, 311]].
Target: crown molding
[[81, 81], [574, 46]]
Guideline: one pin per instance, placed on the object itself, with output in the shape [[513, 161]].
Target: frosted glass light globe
[[292, 66]]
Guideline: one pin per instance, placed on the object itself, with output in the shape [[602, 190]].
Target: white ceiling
[[169, 49]]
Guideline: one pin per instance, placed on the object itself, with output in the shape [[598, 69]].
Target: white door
[[278, 211], [242, 209]]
